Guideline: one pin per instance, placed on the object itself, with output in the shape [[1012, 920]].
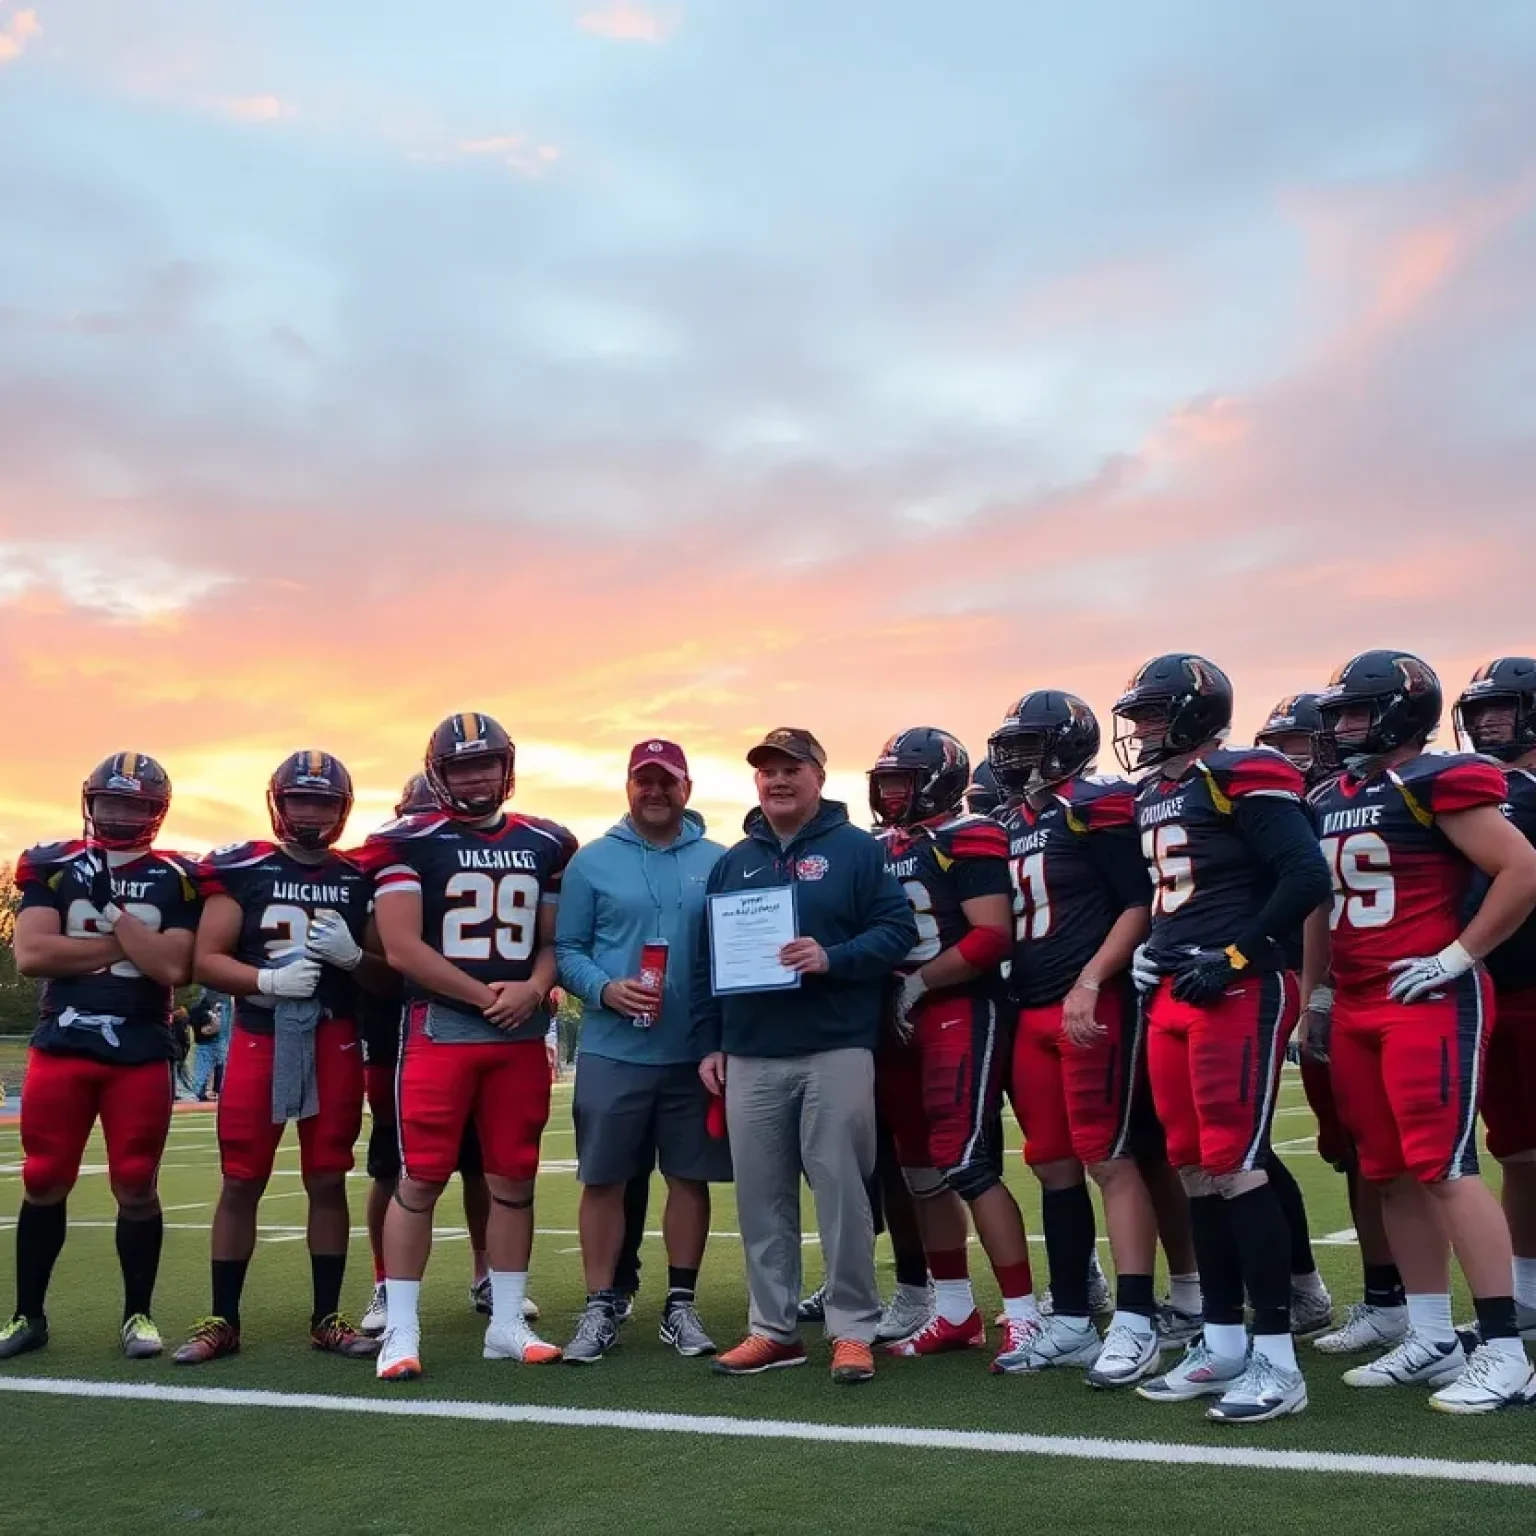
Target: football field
[[282, 1439]]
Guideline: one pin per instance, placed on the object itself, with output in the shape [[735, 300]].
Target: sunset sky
[[688, 369]]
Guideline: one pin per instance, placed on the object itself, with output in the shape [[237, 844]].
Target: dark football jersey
[[1207, 883], [279, 896], [1399, 884], [480, 889], [1513, 964], [379, 1019], [118, 1014], [941, 866], [1076, 867]]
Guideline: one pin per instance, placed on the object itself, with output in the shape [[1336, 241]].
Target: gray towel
[[451, 1025], [295, 1094]]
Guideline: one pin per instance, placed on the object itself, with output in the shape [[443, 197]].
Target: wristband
[[1087, 983], [1321, 1000], [985, 947], [1456, 959], [1236, 958]]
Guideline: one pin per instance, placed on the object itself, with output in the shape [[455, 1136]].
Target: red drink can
[[653, 975]]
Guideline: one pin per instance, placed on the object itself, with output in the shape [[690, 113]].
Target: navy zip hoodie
[[845, 901]]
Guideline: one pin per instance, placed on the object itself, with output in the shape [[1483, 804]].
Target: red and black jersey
[[942, 865], [1208, 882], [1399, 884], [480, 888], [1076, 867], [118, 1014], [279, 896], [1513, 964]]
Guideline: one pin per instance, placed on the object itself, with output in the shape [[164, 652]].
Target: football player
[[106, 923], [281, 932], [940, 1077], [380, 1020], [1235, 867], [466, 913], [1403, 831], [984, 797], [1081, 900], [1496, 715]]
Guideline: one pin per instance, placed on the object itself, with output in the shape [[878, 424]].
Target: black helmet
[[1296, 715], [1510, 680], [416, 797], [1403, 697], [123, 777], [309, 773], [1186, 695], [464, 736], [1046, 738], [938, 771], [985, 794]]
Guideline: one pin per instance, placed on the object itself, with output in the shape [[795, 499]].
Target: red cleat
[[938, 1337]]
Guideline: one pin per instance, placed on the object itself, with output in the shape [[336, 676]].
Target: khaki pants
[[812, 1114]]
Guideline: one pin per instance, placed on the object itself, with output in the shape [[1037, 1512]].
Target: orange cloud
[[513, 150], [16, 34], [626, 22]]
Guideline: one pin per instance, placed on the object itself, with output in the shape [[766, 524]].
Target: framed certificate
[[747, 929]]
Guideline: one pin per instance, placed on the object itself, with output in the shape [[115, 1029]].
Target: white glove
[[294, 979], [331, 940], [1144, 971], [1416, 979], [913, 990]]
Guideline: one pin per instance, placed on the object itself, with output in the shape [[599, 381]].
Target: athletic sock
[[682, 1284], [1134, 1297], [402, 1297], [1018, 1287], [1525, 1281], [1293, 1210], [912, 1269], [953, 1297], [228, 1283], [1429, 1315], [326, 1273], [1066, 1216], [1384, 1287], [508, 1288], [1221, 1265], [1259, 1231], [40, 1231], [1184, 1294], [1278, 1348], [138, 1255]]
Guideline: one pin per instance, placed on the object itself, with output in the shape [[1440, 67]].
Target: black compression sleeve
[[1280, 834], [1116, 857]]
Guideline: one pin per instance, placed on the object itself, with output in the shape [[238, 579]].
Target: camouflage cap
[[789, 741]]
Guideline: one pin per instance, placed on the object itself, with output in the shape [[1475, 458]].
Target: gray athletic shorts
[[627, 1114]]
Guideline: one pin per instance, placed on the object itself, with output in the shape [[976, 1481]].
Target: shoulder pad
[[1098, 801], [237, 855], [1446, 782], [551, 829], [416, 824], [43, 862], [972, 837], [1234, 772]]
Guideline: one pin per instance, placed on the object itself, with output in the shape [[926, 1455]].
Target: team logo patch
[[125, 782], [812, 867]]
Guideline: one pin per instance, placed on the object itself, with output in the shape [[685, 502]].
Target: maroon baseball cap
[[664, 754]]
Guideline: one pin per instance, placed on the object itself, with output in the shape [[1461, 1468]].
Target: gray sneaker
[[813, 1309], [681, 1328], [597, 1332]]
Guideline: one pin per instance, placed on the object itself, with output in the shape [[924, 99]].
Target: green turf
[[155, 1467]]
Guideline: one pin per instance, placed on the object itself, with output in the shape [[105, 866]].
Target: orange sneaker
[[212, 1339], [941, 1336], [852, 1362], [757, 1353]]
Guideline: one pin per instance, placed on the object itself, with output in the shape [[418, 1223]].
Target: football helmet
[[123, 778], [985, 796], [416, 797], [1510, 681], [1401, 695], [937, 770], [1046, 738], [1294, 716], [309, 773], [466, 737], [1172, 705]]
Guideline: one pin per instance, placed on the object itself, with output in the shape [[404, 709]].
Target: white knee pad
[[1230, 1185], [923, 1183]]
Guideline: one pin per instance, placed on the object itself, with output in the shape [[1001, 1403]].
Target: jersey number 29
[[510, 902]]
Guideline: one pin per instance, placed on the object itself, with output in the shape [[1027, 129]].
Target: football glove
[[1144, 971], [1417, 978], [1317, 1026], [1206, 975], [330, 940], [92, 864], [293, 979], [911, 992]]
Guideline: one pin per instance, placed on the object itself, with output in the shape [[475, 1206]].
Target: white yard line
[[1074, 1447]]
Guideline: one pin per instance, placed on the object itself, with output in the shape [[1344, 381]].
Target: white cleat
[[376, 1318], [1060, 1341], [1127, 1355], [1311, 1312], [515, 1340], [905, 1314], [1493, 1379], [399, 1357], [1417, 1361], [1199, 1374], [1365, 1327], [1264, 1391]]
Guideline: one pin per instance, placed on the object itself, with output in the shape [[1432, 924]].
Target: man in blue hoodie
[[637, 1082], [797, 1067]]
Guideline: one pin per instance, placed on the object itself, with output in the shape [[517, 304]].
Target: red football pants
[[1509, 1093]]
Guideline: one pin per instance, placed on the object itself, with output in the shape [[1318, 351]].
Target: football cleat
[[1127, 1355], [813, 1309], [938, 1336], [141, 1339], [682, 1328], [1175, 1326], [334, 1335], [1101, 1302], [1493, 1379], [515, 1340], [624, 1309], [376, 1318], [1365, 1327], [1199, 1374], [212, 1339], [1052, 1341], [399, 1357], [757, 1353], [597, 1331], [1264, 1391], [22, 1335], [852, 1362], [1417, 1361], [906, 1313], [1311, 1312]]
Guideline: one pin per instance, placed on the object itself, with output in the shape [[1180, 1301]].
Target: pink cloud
[[513, 150], [259, 109], [626, 22], [17, 33]]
